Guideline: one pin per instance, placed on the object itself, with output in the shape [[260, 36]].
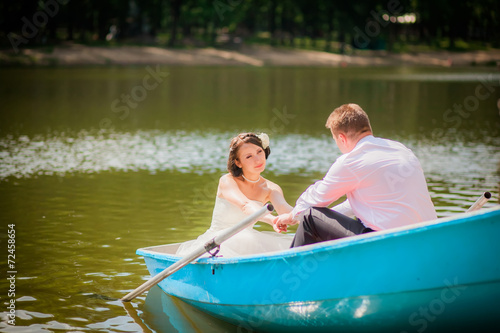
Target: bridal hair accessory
[[264, 138]]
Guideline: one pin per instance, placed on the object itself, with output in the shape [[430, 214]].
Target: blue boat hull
[[430, 276]]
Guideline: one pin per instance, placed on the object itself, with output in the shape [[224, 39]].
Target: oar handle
[[480, 202], [216, 241]]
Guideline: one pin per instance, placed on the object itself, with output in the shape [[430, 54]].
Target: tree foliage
[[330, 25]]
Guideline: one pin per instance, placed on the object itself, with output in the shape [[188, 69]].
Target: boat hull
[[425, 277], [424, 310]]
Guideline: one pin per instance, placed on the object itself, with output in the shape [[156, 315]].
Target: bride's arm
[[229, 190], [278, 200], [280, 205]]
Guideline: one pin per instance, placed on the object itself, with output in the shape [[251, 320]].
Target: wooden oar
[[210, 245], [480, 202]]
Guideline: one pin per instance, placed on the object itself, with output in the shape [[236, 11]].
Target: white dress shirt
[[384, 184]]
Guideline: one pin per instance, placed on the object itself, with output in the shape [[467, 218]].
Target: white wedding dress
[[247, 241]]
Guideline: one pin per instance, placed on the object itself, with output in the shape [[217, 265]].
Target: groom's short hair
[[349, 119]]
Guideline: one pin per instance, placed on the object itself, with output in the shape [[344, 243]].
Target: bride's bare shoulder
[[227, 181], [227, 178], [273, 186]]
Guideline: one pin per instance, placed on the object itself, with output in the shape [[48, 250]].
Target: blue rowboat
[[439, 276]]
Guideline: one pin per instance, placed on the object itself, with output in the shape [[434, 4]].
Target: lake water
[[97, 162]]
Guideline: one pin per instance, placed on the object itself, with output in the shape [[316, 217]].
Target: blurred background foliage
[[332, 26]]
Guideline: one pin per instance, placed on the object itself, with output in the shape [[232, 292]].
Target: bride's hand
[[251, 207], [279, 228]]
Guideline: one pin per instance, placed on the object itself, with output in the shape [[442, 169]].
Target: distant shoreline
[[254, 56]]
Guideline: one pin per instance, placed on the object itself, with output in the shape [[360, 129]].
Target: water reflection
[[166, 314], [406, 99]]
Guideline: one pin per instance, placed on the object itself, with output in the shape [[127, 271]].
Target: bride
[[240, 193]]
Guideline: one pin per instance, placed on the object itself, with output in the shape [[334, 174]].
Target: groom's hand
[[283, 219]]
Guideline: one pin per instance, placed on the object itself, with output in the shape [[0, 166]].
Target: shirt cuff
[[297, 213]]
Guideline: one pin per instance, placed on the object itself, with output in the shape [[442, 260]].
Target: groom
[[382, 179]]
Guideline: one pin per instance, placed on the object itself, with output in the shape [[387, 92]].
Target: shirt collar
[[366, 138]]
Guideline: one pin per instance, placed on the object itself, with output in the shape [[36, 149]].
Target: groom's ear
[[342, 137]]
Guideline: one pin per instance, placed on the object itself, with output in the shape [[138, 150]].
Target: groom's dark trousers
[[320, 224]]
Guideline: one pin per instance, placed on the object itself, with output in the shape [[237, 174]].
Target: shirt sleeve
[[338, 181]]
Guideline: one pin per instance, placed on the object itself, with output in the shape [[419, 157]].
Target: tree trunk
[[176, 13], [329, 17], [341, 39], [272, 21]]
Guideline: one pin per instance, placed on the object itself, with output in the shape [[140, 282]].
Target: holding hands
[[281, 222], [279, 228]]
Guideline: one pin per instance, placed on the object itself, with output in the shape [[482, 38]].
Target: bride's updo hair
[[235, 145]]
